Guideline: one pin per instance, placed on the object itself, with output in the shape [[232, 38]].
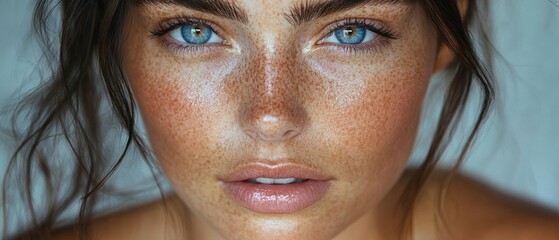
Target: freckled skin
[[273, 93]]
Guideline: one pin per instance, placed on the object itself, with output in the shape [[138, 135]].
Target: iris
[[196, 33], [351, 34]]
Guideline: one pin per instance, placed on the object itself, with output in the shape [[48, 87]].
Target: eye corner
[[322, 39]]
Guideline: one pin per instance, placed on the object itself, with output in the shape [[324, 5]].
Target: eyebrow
[[312, 9], [303, 12], [222, 8]]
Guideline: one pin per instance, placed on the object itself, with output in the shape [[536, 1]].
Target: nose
[[272, 109], [273, 120]]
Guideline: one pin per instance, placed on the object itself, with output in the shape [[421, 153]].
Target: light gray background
[[518, 151]]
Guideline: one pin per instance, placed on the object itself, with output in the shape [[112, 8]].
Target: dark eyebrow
[[313, 9], [221, 8]]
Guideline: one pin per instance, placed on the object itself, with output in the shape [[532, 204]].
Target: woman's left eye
[[195, 34], [350, 34]]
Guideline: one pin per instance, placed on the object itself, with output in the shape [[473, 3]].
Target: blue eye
[[351, 34], [195, 33]]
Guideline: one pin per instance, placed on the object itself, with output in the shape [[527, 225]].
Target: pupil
[[196, 33], [349, 31], [196, 30], [351, 34]]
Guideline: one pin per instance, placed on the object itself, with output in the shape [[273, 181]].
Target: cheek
[[371, 115], [179, 101], [372, 138], [378, 132], [382, 113]]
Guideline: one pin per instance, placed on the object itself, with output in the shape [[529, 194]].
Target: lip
[[276, 199]]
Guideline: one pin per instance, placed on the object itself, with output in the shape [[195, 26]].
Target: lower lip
[[277, 199]]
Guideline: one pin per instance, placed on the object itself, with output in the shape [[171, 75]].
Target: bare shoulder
[[474, 210], [148, 221]]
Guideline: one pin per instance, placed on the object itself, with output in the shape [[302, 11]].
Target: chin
[[284, 227]]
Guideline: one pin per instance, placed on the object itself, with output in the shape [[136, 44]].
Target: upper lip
[[283, 170]]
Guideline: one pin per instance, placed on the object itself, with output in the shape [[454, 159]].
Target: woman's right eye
[[195, 34]]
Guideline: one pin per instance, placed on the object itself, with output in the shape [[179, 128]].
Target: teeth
[[276, 180]]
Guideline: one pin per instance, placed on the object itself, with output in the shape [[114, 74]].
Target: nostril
[[252, 134], [289, 134], [271, 132]]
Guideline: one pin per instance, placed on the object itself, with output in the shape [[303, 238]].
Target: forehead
[[295, 11]]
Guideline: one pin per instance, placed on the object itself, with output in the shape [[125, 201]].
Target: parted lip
[[260, 169]]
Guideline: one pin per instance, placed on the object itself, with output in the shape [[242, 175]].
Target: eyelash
[[383, 32]]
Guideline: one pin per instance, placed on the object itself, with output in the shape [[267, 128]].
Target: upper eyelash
[[174, 23], [380, 30]]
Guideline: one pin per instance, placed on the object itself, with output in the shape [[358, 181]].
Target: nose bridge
[[277, 71], [273, 111]]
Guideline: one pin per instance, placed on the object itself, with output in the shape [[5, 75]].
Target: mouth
[[278, 189], [275, 181]]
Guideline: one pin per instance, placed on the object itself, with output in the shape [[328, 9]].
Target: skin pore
[[274, 89]]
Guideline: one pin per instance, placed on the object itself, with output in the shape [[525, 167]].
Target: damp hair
[[83, 52]]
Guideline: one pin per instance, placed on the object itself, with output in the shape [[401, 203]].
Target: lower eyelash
[[365, 48], [178, 48]]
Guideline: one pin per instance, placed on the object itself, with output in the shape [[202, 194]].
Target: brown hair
[[86, 60]]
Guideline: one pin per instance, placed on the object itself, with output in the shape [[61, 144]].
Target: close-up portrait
[[279, 119]]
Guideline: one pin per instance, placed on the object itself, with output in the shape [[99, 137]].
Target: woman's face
[[289, 118]]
